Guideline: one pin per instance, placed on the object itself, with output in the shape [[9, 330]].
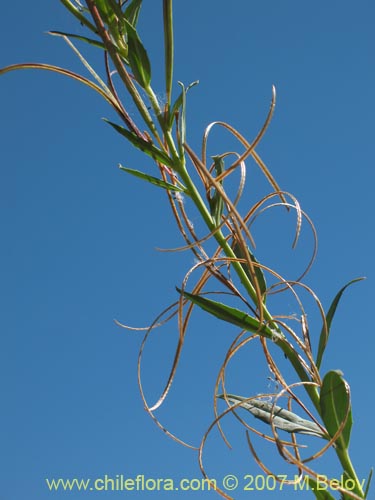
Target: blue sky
[[79, 237]]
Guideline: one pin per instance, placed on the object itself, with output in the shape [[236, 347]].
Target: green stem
[[168, 48], [157, 110], [343, 456], [221, 240], [206, 215]]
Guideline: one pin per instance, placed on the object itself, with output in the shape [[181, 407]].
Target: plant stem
[[221, 240], [168, 48], [343, 456]]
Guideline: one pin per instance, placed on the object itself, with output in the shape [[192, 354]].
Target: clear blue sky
[[78, 237]]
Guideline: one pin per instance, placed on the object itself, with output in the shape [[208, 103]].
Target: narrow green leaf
[[176, 106], [335, 407], [259, 275], [96, 43], [182, 120], [281, 418], [324, 334], [368, 484], [132, 12], [138, 58], [317, 489], [216, 201], [152, 180], [143, 145], [88, 67], [168, 47], [232, 315]]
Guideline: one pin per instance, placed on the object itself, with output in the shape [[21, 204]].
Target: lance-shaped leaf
[[324, 334], [335, 407], [132, 12], [232, 315], [368, 484], [168, 48], [182, 120], [90, 41], [281, 418], [144, 146], [182, 126], [152, 180], [216, 201], [259, 275], [138, 58], [315, 488]]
